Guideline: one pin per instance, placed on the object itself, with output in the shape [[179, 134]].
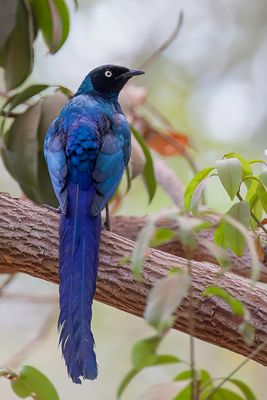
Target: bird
[[87, 148]]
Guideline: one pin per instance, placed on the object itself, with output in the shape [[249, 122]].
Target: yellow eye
[[108, 74]]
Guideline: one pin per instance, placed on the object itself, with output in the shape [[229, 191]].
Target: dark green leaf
[[230, 174], [148, 172], [249, 395], [7, 19], [234, 238], [53, 19], [164, 298], [20, 150], [236, 305], [63, 14], [18, 49], [193, 184], [30, 381]]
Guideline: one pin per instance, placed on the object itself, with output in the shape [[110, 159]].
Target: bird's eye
[[108, 74]]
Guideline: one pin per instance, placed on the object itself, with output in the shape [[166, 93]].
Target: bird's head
[[107, 80]]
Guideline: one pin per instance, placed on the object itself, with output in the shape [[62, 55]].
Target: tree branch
[[29, 244], [130, 227]]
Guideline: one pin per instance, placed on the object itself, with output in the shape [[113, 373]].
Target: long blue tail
[[79, 235]]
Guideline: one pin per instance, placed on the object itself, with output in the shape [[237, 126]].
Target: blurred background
[[211, 85]]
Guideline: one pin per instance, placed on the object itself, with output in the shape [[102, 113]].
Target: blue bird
[[87, 149]]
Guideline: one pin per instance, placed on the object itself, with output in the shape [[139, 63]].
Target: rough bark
[[130, 227], [29, 244]]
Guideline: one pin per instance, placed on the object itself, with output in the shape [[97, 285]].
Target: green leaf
[[22, 96], [185, 394], [164, 298], [126, 380], [252, 195], [255, 264], [249, 395], [18, 49], [234, 238], [247, 330], [246, 167], [187, 229], [20, 150], [183, 376], [53, 19], [263, 197], [7, 19], [263, 177], [230, 174], [140, 248], [148, 171], [144, 352], [219, 236], [226, 394], [31, 381], [193, 184], [161, 236], [236, 306]]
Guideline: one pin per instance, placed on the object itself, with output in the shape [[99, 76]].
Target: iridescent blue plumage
[[87, 149]]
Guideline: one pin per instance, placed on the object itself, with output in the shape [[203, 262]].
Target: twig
[[249, 357], [17, 358], [7, 114], [191, 323], [154, 56], [258, 222], [6, 283], [31, 298]]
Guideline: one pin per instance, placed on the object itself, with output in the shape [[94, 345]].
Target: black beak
[[129, 74]]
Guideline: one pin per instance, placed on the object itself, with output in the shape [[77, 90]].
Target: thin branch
[[31, 298], [258, 222], [249, 357], [29, 244], [43, 332], [154, 56], [9, 279]]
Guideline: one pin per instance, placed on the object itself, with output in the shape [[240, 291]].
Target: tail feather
[[78, 261]]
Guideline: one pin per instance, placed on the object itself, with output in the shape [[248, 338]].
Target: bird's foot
[[107, 223], [56, 210]]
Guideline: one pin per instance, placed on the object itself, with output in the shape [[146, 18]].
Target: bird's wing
[[111, 161], [54, 150]]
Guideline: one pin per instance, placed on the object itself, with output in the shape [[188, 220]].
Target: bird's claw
[[56, 210]]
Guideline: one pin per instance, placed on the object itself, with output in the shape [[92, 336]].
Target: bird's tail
[[78, 261]]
